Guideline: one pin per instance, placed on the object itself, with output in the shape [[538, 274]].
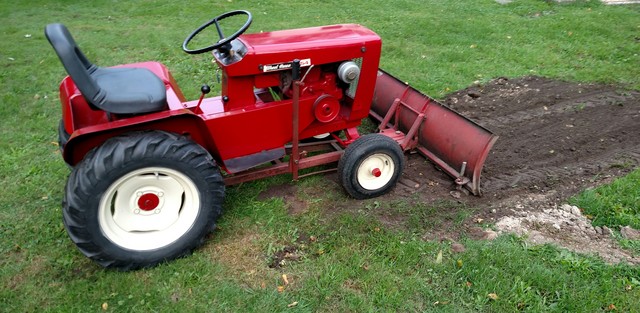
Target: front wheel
[[370, 166], [141, 199]]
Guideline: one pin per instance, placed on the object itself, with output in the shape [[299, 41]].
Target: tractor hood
[[272, 51]]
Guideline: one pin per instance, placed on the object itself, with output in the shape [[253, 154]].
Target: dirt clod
[[630, 233], [457, 248]]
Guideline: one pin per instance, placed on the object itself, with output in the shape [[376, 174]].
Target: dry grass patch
[[243, 254]]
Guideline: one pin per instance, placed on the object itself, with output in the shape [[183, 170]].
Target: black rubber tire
[[118, 156], [359, 151]]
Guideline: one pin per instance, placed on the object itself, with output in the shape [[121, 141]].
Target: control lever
[[205, 89]]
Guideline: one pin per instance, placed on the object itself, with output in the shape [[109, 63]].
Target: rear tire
[[370, 166], [141, 199]]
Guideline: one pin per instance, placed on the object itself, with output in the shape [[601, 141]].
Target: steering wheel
[[224, 42]]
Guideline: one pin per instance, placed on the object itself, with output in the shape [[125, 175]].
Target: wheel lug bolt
[[136, 211]]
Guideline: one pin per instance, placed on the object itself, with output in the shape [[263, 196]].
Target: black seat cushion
[[129, 90], [116, 90]]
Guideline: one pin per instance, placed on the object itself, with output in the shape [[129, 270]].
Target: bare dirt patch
[[556, 139], [287, 193]]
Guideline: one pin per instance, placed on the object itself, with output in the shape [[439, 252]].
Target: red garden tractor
[[149, 168]]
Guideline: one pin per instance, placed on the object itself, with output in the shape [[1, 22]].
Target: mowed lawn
[[338, 261]]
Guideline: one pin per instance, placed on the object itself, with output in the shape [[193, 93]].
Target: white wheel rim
[[148, 208], [375, 171]]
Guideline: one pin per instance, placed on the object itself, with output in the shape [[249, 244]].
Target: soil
[[556, 139]]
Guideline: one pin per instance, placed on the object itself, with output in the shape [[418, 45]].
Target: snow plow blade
[[454, 143]]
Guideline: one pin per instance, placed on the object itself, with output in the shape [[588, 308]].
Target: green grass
[[356, 262], [614, 205]]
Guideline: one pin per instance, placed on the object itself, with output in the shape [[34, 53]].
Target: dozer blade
[[454, 143]]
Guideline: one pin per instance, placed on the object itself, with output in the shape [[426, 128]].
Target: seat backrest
[[74, 61]]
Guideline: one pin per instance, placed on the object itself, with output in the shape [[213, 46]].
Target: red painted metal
[[148, 202], [376, 172], [454, 143], [282, 168], [295, 155], [234, 123]]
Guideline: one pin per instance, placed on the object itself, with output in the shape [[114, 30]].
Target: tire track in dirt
[[548, 177]]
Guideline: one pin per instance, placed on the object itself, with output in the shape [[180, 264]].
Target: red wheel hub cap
[[376, 172], [148, 202]]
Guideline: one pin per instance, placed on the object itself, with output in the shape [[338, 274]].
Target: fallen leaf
[[292, 304], [439, 257], [285, 280], [280, 289], [105, 306], [469, 284], [459, 263], [493, 296], [611, 307]]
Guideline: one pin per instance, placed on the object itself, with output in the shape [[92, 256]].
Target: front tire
[[141, 199], [370, 166]]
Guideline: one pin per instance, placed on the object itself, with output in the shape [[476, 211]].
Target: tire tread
[[125, 151]]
